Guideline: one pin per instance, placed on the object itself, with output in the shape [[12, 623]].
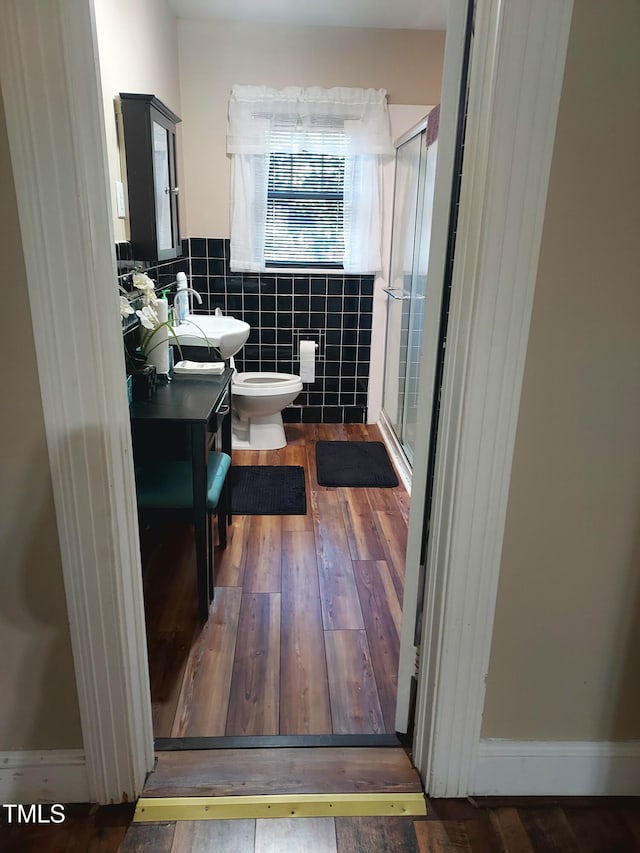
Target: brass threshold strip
[[161, 809]]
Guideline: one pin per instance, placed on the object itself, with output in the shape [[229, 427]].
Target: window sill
[[303, 271], [293, 271]]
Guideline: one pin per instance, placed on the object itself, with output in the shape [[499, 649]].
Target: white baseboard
[[52, 776], [563, 768]]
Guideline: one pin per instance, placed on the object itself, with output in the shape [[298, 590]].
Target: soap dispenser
[[181, 302]]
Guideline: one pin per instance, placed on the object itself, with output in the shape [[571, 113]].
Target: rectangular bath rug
[[268, 490], [354, 463]]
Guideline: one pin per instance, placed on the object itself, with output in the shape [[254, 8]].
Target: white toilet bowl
[[258, 401]]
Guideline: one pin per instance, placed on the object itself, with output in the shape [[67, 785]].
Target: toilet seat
[[264, 384]]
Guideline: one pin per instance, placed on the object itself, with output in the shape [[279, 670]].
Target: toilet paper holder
[[315, 335], [308, 360]]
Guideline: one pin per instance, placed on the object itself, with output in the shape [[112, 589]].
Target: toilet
[[258, 401]]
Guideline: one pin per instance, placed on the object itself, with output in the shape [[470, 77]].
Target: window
[[306, 177], [305, 211]]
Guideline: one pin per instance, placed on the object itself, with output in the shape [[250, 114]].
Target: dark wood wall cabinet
[[149, 131]]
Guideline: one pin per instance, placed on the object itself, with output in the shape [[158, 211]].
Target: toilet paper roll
[[158, 342], [308, 361]]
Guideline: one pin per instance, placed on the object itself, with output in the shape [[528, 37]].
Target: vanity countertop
[[191, 399]]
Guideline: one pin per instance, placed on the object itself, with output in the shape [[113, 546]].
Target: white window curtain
[[345, 122]]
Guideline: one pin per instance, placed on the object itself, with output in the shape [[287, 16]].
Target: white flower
[[125, 307], [148, 318], [142, 282]]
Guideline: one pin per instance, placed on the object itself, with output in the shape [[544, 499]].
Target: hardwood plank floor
[[382, 618], [264, 555], [355, 706], [285, 836], [304, 627], [595, 825], [285, 770], [304, 687], [254, 702], [218, 835], [206, 682]]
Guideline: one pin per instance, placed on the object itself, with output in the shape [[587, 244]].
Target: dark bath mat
[[268, 490], [354, 463]]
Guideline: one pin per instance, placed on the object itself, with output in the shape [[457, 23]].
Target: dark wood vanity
[[180, 421]]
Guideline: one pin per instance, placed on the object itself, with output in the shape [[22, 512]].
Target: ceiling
[[385, 14]]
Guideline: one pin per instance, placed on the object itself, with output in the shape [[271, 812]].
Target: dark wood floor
[[286, 770], [261, 666], [303, 636], [607, 825]]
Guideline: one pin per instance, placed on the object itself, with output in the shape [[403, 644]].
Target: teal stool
[[167, 487]]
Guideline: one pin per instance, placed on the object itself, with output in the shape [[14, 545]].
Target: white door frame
[[53, 105], [445, 164], [50, 83], [516, 74]]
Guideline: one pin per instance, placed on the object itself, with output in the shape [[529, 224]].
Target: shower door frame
[[397, 426]]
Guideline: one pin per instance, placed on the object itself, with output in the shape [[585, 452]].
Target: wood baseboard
[[563, 768], [50, 776]]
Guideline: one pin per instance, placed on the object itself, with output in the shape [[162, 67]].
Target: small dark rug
[[354, 463], [268, 490]]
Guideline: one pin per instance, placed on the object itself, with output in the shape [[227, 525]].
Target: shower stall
[[407, 291]]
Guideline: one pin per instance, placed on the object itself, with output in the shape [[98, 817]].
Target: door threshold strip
[[176, 744], [163, 809]]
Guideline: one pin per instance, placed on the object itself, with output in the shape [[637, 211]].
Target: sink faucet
[[181, 304], [186, 309], [195, 293]]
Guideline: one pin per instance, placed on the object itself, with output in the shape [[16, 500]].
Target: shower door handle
[[397, 293]]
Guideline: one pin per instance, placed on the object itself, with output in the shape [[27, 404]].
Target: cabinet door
[[149, 137], [165, 190]]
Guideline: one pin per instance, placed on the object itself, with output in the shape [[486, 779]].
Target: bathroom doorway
[[262, 667], [97, 615], [304, 639]]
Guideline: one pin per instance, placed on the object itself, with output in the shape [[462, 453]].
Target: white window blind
[[306, 177], [305, 210]]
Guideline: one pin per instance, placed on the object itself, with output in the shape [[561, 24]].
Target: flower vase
[[157, 345]]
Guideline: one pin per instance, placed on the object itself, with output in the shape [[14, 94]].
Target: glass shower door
[[406, 292]]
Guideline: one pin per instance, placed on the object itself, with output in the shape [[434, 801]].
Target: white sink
[[226, 334]]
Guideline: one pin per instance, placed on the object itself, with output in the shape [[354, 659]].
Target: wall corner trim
[[50, 776], [558, 768]]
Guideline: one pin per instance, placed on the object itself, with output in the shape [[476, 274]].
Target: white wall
[[38, 699], [566, 642], [215, 55], [138, 52]]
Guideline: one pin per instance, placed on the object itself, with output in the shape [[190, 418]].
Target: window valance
[[340, 121]]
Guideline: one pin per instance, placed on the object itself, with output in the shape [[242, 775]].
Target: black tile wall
[[335, 310]]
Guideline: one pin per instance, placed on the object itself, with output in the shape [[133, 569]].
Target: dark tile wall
[[163, 274], [334, 310]]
